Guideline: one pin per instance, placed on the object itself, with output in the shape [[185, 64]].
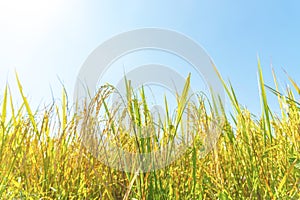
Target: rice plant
[[43, 156]]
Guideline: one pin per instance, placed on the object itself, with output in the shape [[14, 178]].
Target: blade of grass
[[278, 95], [4, 106], [281, 95], [12, 107], [297, 88], [230, 92], [265, 107], [30, 114], [64, 110]]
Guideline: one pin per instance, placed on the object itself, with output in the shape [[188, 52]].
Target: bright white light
[[28, 15], [23, 26]]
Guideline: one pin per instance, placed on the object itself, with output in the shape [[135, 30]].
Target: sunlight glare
[[28, 15]]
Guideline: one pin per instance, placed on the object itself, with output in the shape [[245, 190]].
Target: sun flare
[[29, 14]]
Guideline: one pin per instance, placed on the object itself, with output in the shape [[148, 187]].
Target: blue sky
[[45, 41]]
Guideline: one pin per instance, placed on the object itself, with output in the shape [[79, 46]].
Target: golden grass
[[42, 156]]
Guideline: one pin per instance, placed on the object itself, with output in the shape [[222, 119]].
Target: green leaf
[[28, 109], [265, 107], [4, 113]]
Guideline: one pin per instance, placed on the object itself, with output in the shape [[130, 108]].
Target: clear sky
[[47, 41]]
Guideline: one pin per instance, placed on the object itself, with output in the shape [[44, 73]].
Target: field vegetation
[[42, 155]]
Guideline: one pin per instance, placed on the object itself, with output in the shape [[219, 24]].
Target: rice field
[[42, 155]]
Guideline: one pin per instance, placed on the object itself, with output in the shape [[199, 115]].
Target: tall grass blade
[[278, 94], [265, 106], [64, 110], [4, 106], [297, 88], [26, 103], [12, 107], [229, 91]]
